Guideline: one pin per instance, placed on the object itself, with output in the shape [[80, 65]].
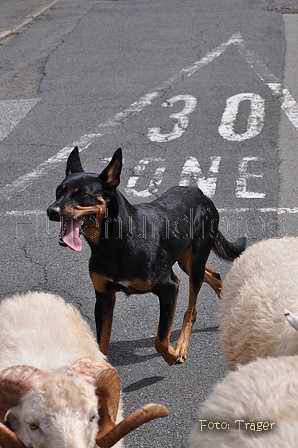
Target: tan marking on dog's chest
[[137, 284], [99, 281]]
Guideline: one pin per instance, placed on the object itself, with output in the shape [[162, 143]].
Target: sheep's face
[[59, 412]]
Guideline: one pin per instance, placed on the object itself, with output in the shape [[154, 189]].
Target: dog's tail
[[226, 250]]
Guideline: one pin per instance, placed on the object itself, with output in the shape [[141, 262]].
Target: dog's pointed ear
[[73, 164], [110, 176]]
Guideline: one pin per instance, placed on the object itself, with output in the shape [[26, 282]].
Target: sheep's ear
[[73, 164], [15, 381], [291, 318], [106, 380]]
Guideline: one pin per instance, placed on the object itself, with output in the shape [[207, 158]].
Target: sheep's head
[[59, 411], [76, 408], [63, 409]]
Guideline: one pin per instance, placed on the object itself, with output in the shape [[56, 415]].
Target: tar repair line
[[289, 105]]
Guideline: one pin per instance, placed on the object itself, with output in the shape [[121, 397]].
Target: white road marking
[[241, 182], [134, 108], [235, 39], [192, 169], [237, 210], [24, 181], [155, 135], [289, 106], [154, 182], [255, 120], [12, 112]]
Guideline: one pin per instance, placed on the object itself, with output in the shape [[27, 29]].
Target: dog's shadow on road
[[123, 353], [144, 383]]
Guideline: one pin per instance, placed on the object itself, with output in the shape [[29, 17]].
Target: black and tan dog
[[133, 247]]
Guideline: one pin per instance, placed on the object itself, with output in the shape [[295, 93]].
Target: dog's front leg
[[167, 294], [104, 308]]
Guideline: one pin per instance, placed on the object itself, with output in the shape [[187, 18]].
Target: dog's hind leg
[[194, 259], [211, 277], [167, 294]]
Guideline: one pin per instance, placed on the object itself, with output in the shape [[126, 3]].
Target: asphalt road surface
[[193, 93]]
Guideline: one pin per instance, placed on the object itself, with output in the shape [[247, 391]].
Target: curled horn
[[106, 380], [107, 383], [14, 383], [8, 439], [137, 418]]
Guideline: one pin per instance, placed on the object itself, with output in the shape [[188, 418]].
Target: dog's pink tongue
[[72, 236]]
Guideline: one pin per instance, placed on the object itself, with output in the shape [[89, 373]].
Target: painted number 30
[[255, 119]]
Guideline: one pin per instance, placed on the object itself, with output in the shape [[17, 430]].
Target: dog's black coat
[[133, 247]]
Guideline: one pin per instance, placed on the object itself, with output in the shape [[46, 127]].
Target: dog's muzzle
[[54, 212]]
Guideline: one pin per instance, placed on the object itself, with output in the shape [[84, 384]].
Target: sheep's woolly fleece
[[265, 390], [260, 284], [50, 335]]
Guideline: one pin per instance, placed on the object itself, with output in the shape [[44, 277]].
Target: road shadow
[[145, 382], [122, 353]]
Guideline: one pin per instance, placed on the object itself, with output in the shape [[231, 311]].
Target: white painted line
[[278, 210], [24, 181], [289, 105], [254, 62], [12, 112], [209, 57], [134, 108], [24, 213], [236, 39]]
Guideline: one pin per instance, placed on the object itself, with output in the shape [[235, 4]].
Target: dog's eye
[[82, 194], [58, 193]]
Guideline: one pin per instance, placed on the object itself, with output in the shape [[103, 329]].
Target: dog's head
[[82, 198]]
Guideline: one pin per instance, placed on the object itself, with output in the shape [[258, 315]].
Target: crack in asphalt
[[43, 267]]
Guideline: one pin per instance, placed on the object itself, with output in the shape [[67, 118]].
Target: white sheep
[[260, 284], [56, 388], [253, 407]]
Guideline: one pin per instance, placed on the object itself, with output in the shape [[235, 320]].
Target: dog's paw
[[180, 359], [181, 349]]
